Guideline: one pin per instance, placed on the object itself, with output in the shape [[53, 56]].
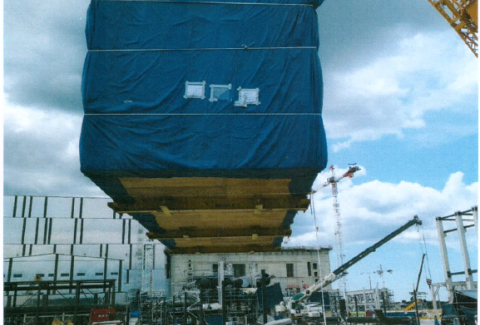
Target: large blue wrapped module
[[192, 89], [141, 54]]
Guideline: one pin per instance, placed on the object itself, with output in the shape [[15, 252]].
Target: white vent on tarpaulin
[[247, 97], [220, 92], [195, 89]]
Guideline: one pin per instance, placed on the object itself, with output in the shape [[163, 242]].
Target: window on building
[[290, 270], [315, 274], [40, 274], [80, 274], [113, 273], [50, 275], [18, 275], [315, 266], [239, 270], [215, 268], [64, 274], [309, 268], [99, 273]]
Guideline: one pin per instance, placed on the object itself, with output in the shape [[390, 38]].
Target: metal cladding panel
[[188, 89]]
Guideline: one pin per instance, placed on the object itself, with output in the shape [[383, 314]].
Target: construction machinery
[[352, 169], [412, 305], [296, 306], [462, 15]]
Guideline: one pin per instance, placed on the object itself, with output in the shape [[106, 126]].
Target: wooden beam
[[212, 203], [166, 211], [214, 233], [211, 250]]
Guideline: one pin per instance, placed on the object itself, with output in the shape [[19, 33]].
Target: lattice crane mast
[[336, 208], [462, 15]]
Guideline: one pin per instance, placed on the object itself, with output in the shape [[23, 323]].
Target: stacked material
[[203, 118]]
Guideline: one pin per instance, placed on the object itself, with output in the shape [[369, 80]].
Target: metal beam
[[45, 207], [24, 227], [475, 219], [123, 230], [105, 266], [80, 213], [81, 231], [50, 231], [37, 226], [130, 257], [455, 229], [30, 207], [24, 206], [72, 214], [45, 232], [55, 271], [446, 264], [464, 250], [55, 285], [129, 231], [120, 267], [10, 266], [14, 214], [72, 269]]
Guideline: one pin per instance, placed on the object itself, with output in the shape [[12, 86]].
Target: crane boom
[[339, 272], [462, 15]]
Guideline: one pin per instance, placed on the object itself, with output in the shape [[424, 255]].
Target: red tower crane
[[352, 168]]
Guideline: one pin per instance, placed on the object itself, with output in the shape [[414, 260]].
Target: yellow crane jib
[[462, 15], [411, 305]]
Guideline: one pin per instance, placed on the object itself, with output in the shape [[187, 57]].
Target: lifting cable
[[320, 278]]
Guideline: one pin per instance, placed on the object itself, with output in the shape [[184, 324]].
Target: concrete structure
[[294, 268]]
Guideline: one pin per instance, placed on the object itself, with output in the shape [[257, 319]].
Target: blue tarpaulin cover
[[167, 92], [141, 54], [273, 295]]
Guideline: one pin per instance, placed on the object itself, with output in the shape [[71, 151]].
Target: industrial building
[[295, 269], [53, 251]]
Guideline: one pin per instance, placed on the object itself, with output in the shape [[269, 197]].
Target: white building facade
[[294, 268]]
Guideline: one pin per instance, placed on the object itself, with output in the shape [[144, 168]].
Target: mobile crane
[[295, 303]]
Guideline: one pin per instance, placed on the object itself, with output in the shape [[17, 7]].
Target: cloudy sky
[[400, 101]]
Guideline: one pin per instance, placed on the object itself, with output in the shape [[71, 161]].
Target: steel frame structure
[[40, 294], [460, 218]]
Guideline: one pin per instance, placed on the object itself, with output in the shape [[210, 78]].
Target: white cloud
[[372, 210], [394, 92], [41, 153]]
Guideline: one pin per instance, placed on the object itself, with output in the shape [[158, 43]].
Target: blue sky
[[400, 101], [401, 93]]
